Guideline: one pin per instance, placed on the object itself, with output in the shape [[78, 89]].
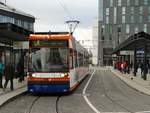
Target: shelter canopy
[[138, 40]]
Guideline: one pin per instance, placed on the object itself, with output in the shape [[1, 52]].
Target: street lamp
[[72, 25]]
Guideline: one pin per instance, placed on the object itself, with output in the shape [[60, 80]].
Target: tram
[[57, 63]]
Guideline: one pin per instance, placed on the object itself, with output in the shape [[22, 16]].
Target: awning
[[138, 40], [10, 32]]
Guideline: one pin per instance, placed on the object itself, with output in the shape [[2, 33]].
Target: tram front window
[[49, 60]]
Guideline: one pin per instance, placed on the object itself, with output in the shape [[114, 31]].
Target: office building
[[15, 26], [119, 19]]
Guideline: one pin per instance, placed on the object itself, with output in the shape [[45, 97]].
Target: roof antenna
[[72, 25]]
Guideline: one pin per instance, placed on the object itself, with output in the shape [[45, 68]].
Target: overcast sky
[[52, 14]]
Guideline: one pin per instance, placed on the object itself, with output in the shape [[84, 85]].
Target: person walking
[[9, 72], [1, 73], [20, 70]]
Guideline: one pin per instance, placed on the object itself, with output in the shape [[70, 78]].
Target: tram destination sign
[[55, 43]]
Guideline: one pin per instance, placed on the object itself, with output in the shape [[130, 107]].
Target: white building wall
[[95, 42]]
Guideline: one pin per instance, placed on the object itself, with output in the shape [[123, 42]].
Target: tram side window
[[76, 59], [86, 61], [81, 60], [71, 58]]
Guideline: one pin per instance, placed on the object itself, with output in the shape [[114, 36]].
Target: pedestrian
[[9, 72], [20, 70], [142, 68], [1, 74], [122, 67], [131, 65]]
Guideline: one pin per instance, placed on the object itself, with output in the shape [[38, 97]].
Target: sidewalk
[[135, 82], [19, 88]]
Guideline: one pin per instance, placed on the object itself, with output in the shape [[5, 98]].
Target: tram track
[[29, 110], [32, 104], [110, 98], [57, 104]]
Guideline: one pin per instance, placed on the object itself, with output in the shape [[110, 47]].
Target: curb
[[12, 95], [132, 84]]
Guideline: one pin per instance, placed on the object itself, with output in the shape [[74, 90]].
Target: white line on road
[[85, 97], [143, 112]]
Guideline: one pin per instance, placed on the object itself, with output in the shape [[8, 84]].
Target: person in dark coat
[[9, 72], [20, 70], [1, 73]]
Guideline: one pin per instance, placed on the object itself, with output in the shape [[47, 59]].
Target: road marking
[[85, 97], [143, 112], [92, 106], [116, 112], [128, 112]]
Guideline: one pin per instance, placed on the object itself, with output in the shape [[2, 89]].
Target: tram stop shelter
[[10, 33], [135, 42]]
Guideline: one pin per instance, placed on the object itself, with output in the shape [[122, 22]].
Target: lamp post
[[72, 25]]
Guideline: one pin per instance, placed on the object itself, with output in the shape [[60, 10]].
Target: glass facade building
[[15, 26], [120, 19], [11, 15]]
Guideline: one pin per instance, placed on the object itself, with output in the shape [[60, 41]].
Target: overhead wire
[[62, 4]]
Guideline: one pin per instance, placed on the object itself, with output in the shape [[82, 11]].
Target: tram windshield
[[48, 60]]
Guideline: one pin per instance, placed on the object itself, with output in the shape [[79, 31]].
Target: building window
[[119, 2], [1, 18], [145, 2], [124, 10], [136, 2], [128, 2], [107, 19], [136, 29], [111, 3], [123, 19], [102, 32], [115, 15], [12, 20], [25, 25], [110, 29], [31, 27], [4, 19], [141, 10], [149, 10], [132, 10], [148, 18], [145, 28], [107, 11], [140, 19], [19, 23], [127, 28], [132, 19]]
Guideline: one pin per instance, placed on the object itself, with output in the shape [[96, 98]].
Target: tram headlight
[[33, 75], [29, 74], [64, 75]]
